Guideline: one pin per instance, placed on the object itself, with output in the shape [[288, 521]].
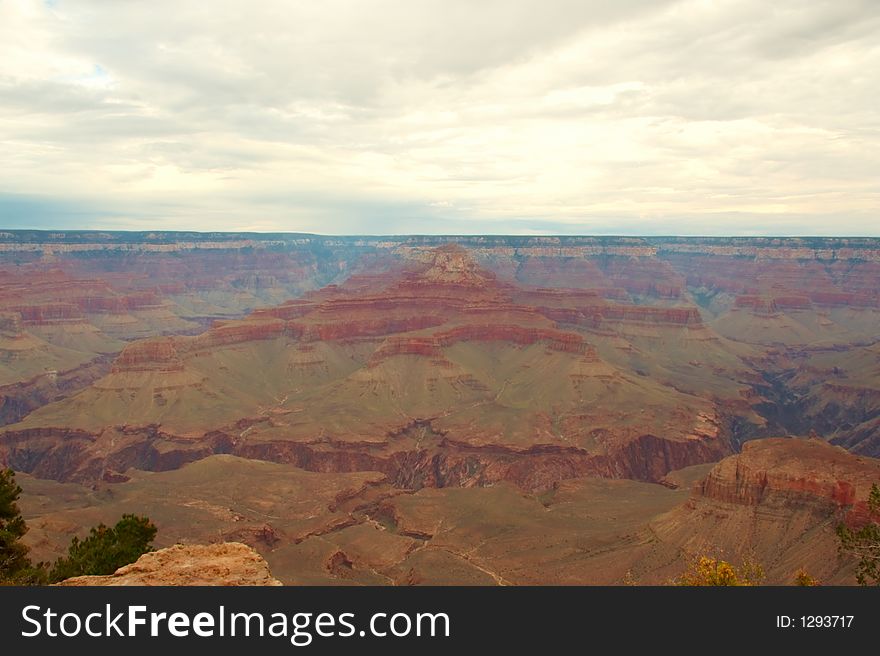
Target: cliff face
[[224, 334], [159, 354], [228, 564], [825, 278], [778, 502], [810, 470], [458, 464], [48, 313], [802, 473]]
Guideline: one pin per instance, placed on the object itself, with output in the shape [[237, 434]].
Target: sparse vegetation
[[802, 578], [864, 543], [706, 571]]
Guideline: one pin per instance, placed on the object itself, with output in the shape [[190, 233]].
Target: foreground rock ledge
[[229, 563]]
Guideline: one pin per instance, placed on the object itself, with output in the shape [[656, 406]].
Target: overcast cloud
[[442, 116]]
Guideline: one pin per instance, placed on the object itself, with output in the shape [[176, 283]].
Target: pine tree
[[13, 553], [106, 549]]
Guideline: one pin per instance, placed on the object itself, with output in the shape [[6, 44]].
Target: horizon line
[[437, 234]]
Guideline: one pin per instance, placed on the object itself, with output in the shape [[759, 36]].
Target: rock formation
[[227, 563], [807, 471], [779, 503]]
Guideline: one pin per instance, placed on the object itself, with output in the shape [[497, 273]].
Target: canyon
[[487, 410]]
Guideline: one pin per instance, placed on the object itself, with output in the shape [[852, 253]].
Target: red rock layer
[[49, 313], [134, 276], [555, 339], [559, 272], [432, 345], [363, 327], [793, 302], [845, 299], [444, 289], [289, 310], [424, 346], [789, 283], [159, 354], [645, 276], [227, 333], [801, 470]]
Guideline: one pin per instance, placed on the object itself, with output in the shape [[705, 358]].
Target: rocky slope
[[228, 563], [778, 502]]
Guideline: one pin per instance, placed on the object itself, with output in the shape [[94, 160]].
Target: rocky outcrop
[[287, 311], [756, 303], [797, 471], [772, 304], [566, 272], [451, 264], [225, 334], [427, 347], [793, 302], [158, 354], [48, 314], [227, 564], [778, 503]]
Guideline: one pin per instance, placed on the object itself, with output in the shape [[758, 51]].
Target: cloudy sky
[[442, 116]]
